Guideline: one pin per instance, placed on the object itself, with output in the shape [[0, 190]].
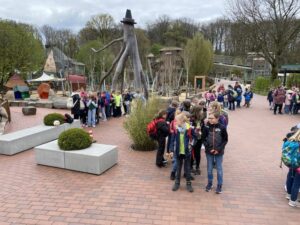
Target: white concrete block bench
[[28, 138], [96, 159]]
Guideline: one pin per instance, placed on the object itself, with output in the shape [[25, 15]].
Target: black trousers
[[279, 106], [231, 105], [160, 151], [183, 160], [197, 154]]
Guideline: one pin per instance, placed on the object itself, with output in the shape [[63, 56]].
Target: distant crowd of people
[[231, 97], [282, 98], [90, 108]]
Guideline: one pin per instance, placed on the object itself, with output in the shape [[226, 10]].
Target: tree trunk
[[274, 71], [131, 50]]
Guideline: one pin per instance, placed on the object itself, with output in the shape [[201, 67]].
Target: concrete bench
[[25, 139], [96, 159]]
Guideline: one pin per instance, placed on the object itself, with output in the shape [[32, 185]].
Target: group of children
[[231, 97], [188, 127], [286, 99], [88, 107]]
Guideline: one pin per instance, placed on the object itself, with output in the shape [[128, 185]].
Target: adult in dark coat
[[75, 110], [279, 98]]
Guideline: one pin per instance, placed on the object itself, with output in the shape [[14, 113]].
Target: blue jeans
[[92, 117], [293, 184], [210, 162], [103, 113], [286, 109]]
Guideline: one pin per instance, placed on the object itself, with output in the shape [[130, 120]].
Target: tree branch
[[113, 64], [106, 46]]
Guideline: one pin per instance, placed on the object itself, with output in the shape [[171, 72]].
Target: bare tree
[[272, 24]]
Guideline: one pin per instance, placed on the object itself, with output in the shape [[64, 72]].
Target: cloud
[[73, 15]]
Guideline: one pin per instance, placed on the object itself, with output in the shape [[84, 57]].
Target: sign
[[199, 83]]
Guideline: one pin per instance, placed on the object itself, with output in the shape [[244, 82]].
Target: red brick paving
[[137, 192]]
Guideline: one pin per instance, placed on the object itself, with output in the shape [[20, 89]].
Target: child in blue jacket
[[181, 146]]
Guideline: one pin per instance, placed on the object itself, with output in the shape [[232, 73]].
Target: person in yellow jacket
[[118, 104]]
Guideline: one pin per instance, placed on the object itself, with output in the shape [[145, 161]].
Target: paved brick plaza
[[137, 192]]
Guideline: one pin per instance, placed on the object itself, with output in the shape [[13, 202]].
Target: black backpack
[[68, 118]]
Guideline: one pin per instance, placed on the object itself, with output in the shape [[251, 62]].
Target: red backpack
[[152, 128]]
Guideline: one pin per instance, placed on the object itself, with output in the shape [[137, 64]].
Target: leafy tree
[[103, 26], [198, 56], [20, 49], [155, 48], [95, 63], [157, 30]]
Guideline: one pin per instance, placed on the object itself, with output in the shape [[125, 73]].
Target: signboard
[[199, 83]]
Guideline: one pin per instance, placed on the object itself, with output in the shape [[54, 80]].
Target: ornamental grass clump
[[74, 139], [136, 124], [50, 118]]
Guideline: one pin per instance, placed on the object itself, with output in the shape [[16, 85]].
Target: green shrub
[[74, 139], [293, 80], [50, 118], [275, 83], [262, 85], [136, 124]]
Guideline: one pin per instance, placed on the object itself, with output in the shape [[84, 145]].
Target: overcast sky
[[73, 14]]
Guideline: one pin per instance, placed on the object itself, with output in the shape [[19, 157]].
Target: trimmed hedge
[[74, 139], [50, 118]]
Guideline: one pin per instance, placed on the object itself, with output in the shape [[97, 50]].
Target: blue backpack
[[290, 154]]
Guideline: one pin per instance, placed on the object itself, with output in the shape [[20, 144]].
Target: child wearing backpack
[[162, 131], [181, 146], [248, 96], [291, 158]]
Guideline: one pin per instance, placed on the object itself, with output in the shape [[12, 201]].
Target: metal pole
[[284, 77]]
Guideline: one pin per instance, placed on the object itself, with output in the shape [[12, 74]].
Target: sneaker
[[175, 187], [161, 165], [294, 204], [219, 189], [189, 187], [288, 196], [94, 125], [209, 186], [172, 176], [197, 172]]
